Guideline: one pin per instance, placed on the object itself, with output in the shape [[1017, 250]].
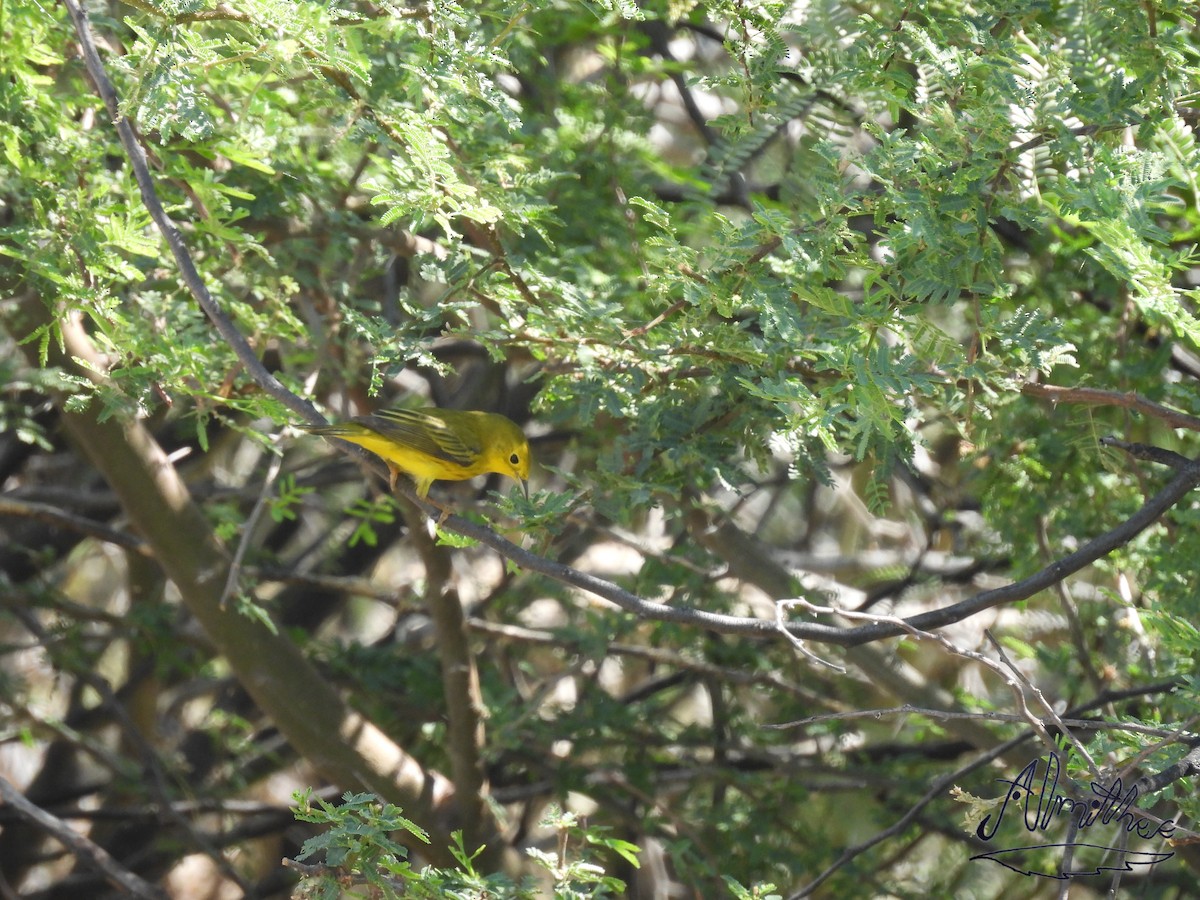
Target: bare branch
[[248, 529], [1154, 508], [1022, 684], [43, 512], [1127, 400], [1147, 452], [84, 850], [1188, 767], [907, 709]]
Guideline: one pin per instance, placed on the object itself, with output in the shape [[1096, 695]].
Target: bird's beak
[[524, 487]]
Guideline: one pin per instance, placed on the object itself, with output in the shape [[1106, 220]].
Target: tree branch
[[460, 677], [1153, 509], [60, 518], [79, 846], [183, 258], [1187, 767], [1127, 400], [908, 709]]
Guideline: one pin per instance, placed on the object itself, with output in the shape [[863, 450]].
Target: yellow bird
[[438, 444]]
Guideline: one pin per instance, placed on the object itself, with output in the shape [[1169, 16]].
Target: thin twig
[[1167, 734], [780, 607], [1018, 695], [260, 505], [1023, 682]]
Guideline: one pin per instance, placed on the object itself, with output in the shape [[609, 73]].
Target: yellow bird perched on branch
[[438, 444]]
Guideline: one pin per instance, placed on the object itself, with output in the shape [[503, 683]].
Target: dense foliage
[[885, 307]]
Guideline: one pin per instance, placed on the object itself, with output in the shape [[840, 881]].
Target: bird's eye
[[514, 459]]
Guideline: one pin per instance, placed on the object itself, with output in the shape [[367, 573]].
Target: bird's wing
[[425, 433]]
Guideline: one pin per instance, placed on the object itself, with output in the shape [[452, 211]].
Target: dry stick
[[80, 847], [1022, 684], [781, 626]]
